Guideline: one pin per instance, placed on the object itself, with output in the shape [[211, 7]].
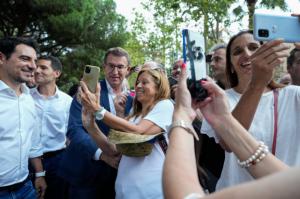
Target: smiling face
[[115, 69], [45, 74], [146, 88], [240, 51], [20, 66]]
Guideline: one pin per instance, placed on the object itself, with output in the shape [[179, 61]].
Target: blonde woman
[[138, 177]]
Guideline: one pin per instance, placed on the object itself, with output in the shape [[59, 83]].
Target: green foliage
[[77, 31]]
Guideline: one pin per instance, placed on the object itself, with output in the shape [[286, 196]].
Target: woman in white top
[[138, 177], [250, 68], [180, 173]]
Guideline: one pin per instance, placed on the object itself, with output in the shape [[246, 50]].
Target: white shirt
[[141, 177], [19, 139], [262, 128], [112, 96], [53, 116]]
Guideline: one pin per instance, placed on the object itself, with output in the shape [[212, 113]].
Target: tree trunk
[[251, 8]]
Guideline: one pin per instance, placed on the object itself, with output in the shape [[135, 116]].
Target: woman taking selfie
[[270, 112], [138, 177]]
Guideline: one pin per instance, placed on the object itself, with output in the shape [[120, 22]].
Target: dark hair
[[8, 44], [291, 58], [218, 46], [231, 75], [55, 62], [119, 52]]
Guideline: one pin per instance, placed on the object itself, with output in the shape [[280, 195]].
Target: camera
[[87, 69], [263, 33], [194, 57]]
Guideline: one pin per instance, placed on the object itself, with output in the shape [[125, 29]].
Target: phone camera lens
[[263, 33], [87, 69]]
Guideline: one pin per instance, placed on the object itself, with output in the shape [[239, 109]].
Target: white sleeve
[[208, 130], [36, 149], [161, 114]]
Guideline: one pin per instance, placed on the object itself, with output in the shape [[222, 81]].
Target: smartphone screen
[[194, 54], [194, 57], [91, 77]]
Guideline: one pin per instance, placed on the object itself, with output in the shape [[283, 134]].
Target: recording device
[[208, 58], [268, 27], [91, 77], [194, 57]]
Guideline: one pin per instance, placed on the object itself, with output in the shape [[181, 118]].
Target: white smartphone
[[268, 27], [91, 77], [194, 57]]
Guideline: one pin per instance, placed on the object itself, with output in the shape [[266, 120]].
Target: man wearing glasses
[[87, 168]]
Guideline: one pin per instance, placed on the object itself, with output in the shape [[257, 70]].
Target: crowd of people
[[158, 142]]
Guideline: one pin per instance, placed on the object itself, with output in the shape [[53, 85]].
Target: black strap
[[162, 143]]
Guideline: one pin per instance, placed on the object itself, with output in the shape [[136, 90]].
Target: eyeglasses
[[111, 67]]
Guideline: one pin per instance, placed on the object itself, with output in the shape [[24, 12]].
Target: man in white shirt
[[53, 107], [19, 138]]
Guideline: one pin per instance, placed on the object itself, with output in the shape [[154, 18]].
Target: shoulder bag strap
[[162, 143], [275, 93]]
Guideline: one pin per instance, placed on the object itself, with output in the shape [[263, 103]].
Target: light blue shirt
[[19, 138], [53, 116]]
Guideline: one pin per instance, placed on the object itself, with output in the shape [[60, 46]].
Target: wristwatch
[[99, 115], [187, 127], [40, 174]]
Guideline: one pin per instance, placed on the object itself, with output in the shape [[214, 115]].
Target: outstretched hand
[[214, 108], [90, 101], [266, 59]]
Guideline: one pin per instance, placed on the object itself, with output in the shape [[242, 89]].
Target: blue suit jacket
[[77, 165]]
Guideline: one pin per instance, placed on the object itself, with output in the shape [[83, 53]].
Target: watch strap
[[40, 174], [186, 126]]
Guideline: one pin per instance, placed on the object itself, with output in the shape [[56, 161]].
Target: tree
[[60, 25], [251, 6]]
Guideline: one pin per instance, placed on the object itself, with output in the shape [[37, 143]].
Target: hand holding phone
[[91, 77]]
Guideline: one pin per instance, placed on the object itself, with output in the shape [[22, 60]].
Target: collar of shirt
[[111, 91], [4, 86], [112, 95], [35, 91]]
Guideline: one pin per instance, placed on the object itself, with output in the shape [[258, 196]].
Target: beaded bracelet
[[255, 158]]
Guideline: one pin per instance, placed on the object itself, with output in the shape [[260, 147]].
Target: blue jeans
[[25, 192]]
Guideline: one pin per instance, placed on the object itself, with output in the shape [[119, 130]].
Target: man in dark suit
[[88, 170]]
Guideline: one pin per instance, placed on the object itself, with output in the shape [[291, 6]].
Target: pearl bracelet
[[255, 158]]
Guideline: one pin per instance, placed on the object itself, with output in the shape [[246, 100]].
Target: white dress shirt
[[19, 138], [53, 116]]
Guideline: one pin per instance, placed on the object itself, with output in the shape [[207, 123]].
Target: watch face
[[99, 115]]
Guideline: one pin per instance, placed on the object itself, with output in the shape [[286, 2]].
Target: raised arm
[[263, 62], [90, 125], [90, 102], [180, 174]]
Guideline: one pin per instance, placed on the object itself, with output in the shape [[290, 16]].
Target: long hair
[[230, 72], [162, 87]]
